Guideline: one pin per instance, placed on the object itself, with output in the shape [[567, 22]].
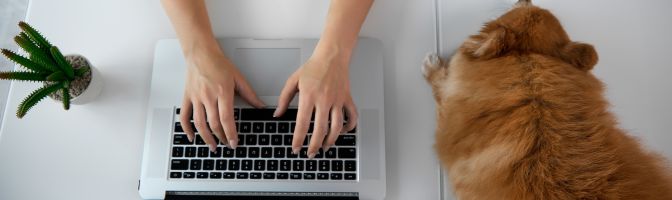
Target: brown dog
[[520, 116]]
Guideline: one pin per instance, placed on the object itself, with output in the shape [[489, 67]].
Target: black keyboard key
[[246, 165], [242, 175], [190, 152], [241, 152], [241, 140], [291, 154], [208, 164], [305, 140], [282, 175], [177, 111], [234, 165], [331, 153], [350, 165], [295, 175], [189, 174], [272, 165], [258, 127], [322, 176], [236, 114], [259, 165], [264, 139], [297, 165], [195, 164], [227, 153], [253, 152], [347, 153], [279, 152], [311, 128], [350, 176], [304, 152], [267, 152], [336, 176], [217, 153], [255, 175], [178, 151], [336, 165], [283, 127], [324, 165], [199, 140], [251, 140], [276, 140], [179, 164], [202, 175], [288, 140], [245, 127], [346, 140], [309, 176], [215, 175], [269, 175], [285, 165], [292, 127], [229, 175], [271, 127], [175, 174], [311, 165], [178, 128], [266, 114], [221, 164], [320, 154], [180, 139], [203, 152]]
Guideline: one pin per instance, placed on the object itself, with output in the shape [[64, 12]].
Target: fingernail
[[191, 139], [213, 147], [233, 144], [275, 114], [326, 147], [311, 155], [296, 150]]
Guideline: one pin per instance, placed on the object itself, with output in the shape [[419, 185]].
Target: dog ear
[[487, 45], [581, 55]]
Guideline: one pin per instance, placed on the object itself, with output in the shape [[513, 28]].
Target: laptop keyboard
[[264, 152]]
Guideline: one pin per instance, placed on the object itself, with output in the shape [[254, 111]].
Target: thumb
[[247, 93]]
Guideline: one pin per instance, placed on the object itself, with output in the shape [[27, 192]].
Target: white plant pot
[[92, 91]]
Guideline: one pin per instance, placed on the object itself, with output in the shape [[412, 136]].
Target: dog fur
[[520, 116]]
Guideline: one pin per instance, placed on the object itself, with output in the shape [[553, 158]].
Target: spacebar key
[[266, 114]]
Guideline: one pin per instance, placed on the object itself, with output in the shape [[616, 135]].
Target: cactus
[[43, 63]]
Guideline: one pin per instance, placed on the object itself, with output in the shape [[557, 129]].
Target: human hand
[[210, 84], [324, 86]]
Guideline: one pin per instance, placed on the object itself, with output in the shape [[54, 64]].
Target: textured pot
[[83, 89]]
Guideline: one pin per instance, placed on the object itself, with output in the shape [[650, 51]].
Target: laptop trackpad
[[267, 69]]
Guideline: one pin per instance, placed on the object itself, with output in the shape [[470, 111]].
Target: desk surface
[[94, 150]]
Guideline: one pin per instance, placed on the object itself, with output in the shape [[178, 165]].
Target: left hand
[[324, 85]]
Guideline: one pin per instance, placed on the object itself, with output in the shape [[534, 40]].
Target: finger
[[321, 118], [202, 126], [351, 111], [227, 120], [212, 113], [336, 128], [247, 93], [185, 118], [286, 96], [303, 116]]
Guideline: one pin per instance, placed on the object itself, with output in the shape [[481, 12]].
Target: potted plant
[[69, 79]]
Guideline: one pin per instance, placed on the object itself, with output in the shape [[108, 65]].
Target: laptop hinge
[[184, 195]]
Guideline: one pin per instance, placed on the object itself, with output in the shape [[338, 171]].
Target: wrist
[[333, 53]]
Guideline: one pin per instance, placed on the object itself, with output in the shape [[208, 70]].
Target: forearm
[[192, 25], [344, 21]]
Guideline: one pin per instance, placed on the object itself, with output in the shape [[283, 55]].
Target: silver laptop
[[262, 167]]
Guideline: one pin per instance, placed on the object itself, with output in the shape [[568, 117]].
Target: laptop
[[263, 167]]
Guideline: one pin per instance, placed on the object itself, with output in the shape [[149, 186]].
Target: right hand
[[210, 84]]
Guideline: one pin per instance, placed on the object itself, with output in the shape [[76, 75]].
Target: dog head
[[528, 29]]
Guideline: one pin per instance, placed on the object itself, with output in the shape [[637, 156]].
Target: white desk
[[94, 151]]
